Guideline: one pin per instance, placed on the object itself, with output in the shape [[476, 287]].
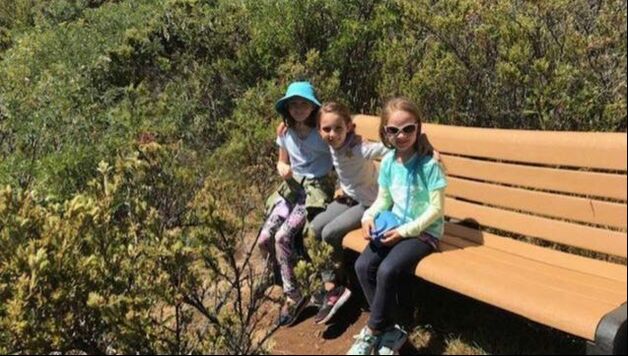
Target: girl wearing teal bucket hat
[[304, 165]]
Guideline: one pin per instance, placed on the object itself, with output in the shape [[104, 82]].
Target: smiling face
[[402, 121], [333, 129], [300, 109]]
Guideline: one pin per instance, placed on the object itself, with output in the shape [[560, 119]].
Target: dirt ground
[[335, 338], [308, 338]]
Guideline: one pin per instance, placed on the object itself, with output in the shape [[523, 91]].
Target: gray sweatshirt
[[356, 170]]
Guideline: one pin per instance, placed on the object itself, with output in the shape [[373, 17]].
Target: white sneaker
[[364, 344]]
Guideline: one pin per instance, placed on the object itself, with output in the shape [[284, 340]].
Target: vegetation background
[[136, 146]]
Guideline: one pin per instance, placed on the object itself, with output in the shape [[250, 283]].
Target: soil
[[306, 337]]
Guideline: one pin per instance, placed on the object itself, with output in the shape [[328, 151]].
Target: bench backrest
[[563, 187]]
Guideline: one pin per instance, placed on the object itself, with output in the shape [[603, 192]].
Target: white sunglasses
[[394, 130]]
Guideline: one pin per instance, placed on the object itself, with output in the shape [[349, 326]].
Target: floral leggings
[[282, 225]]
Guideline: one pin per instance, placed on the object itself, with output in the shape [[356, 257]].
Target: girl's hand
[[436, 156], [282, 129], [391, 238], [367, 227], [284, 170]]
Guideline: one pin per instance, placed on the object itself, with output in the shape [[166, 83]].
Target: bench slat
[[576, 149], [597, 184], [367, 126], [585, 237], [561, 259], [555, 205], [581, 284], [528, 295]]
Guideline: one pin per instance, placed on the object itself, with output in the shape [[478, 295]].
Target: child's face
[[333, 129], [402, 130], [300, 109]]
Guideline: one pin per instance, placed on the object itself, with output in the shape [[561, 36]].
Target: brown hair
[[422, 146], [335, 108]]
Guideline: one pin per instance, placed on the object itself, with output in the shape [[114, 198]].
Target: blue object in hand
[[384, 221]]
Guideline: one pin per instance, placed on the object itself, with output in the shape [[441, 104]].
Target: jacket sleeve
[[429, 216]]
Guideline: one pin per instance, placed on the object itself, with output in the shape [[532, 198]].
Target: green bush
[[139, 262], [553, 65], [85, 72]]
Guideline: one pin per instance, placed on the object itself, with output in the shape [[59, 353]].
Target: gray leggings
[[331, 226]]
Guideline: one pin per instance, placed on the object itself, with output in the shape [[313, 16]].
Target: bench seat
[[571, 296]]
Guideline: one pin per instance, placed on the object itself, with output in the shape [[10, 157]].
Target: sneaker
[[364, 344], [391, 341], [291, 310], [334, 299]]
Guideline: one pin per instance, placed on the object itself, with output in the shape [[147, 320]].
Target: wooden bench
[[564, 189]]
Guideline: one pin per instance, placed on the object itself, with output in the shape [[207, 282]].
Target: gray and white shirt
[[356, 170]]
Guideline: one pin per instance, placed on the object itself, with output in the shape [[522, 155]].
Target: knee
[[331, 235], [387, 272], [282, 238], [362, 266], [263, 242], [317, 227]]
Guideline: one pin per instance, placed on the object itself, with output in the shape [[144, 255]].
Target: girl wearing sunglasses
[[411, 186]]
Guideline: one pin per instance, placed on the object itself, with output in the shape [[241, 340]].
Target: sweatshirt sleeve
[[434, 211], [373, 150], [382, 202]]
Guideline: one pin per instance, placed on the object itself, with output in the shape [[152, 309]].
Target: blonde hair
[[422, 146]]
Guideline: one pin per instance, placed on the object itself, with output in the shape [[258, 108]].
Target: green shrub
[[555, 65], [137, 263]]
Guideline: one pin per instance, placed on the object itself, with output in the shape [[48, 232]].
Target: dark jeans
[[379, 271]]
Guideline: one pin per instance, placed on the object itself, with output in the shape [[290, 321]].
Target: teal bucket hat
[[303, 90]]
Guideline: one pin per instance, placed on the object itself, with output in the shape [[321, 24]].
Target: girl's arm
[[282, 129], [383, 202], [434, 211], [371, 150], [283, 164]]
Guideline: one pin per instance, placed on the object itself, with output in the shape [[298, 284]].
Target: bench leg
[[610, 336]]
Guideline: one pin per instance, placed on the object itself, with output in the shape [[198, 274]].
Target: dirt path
[[335, 338], [308, 338]]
